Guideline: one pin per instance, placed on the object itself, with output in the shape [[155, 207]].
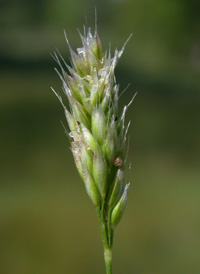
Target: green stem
[[105, 238], [108, 260], [109, 227]]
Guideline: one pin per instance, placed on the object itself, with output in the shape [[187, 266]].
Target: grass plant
[[98, 133]]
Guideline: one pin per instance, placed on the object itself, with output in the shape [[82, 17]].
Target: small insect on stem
[[118, 161]]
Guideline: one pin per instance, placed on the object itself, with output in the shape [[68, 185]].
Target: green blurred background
[[47, 223]]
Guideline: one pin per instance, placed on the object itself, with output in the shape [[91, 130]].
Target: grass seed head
[[97, 130]]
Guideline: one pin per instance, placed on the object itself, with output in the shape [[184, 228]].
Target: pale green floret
[[109, 147], [84, 99], [105, 102], [98, 124], [73, 86], [70, 120], [91, 188], [100, 173], [95, 45], [90, 141], [77, 158], [116, 189], [79, 113], [95, 96], [87, 158], [113, 129], [79, 64], [119, 208]]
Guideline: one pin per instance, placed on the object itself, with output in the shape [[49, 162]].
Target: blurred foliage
[[48, 224]]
